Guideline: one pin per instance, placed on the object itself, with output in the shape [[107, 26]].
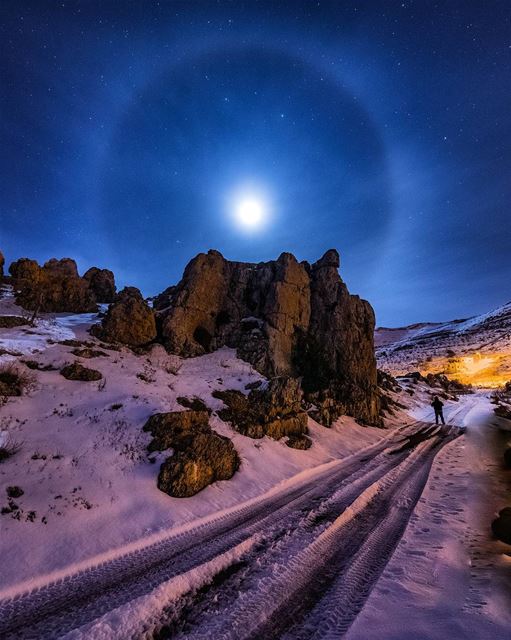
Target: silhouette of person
[[439, 411]]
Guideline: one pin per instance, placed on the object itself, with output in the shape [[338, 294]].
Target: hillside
[[475, 351]]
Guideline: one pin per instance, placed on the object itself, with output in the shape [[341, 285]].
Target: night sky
[[130, 130]]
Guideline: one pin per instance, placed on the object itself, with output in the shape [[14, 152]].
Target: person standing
[[438, 406]]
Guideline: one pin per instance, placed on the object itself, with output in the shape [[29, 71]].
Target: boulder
[[194, 403], [501, 526], [299, 442], [10, 322], [87, 352], [77, 371], [129, 320], [176, 428], [64, 267], [102, 284], [55, 288], [201, 456], [284, 317], [23, 269], [274, 410]]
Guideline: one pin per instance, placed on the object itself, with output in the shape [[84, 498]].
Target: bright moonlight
[[250, 212]]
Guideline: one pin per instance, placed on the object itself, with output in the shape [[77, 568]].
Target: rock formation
[[273, 410], [77, 371], [284, 317], [102, 283], [64, 267], [129, 320], [56, 287], [201, 456], [501, 526], [2, 262]]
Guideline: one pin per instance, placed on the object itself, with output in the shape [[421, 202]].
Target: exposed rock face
[[274, 411], [129, 320], [9, 322], [201, 456], [102, 283], [24, 269], [64, 266], [501, 527], [299, 442], [55, 287], [77, 371], [287, 319]]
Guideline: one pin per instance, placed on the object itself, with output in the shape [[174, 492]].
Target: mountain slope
[[476, 350]]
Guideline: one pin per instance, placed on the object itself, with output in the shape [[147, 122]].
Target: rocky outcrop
[[274, 410], [10, 322], [284, 317], [201, 456], [299, 442], [65, 267], [101, 283], [2, 263], [56, 287], [23, 269], [77, 371], [501, 526], [129, 320]]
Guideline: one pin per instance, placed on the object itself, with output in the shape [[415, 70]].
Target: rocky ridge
[[287, 318], [57, 286]]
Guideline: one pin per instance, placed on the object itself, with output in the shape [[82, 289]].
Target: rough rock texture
[[102, 283], [287, 319], [24, 269], [64, 266], [56, 287], [201, 456], [299, 442], [9, 322], [501, 527], [77, 371], [87, 352], [129, 320], [274, 410]]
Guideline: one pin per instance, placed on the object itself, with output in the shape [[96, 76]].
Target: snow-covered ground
[[339, 528], [448, 577], [477, 350], [89, 485]]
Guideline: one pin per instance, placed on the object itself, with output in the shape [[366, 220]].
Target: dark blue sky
[[380, 128]]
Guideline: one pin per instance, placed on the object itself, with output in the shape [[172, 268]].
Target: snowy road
[[298, 562]]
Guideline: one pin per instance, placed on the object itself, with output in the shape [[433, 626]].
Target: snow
[[132, 619], [86, 475], [477, 350], [83, 465], [448, 578]]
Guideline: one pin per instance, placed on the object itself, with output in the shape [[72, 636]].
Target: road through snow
[[298, 562]]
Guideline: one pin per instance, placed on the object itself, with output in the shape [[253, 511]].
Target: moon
[[250, 212]]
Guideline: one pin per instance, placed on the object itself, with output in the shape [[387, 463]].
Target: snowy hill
[[89, 484], [476, 350]]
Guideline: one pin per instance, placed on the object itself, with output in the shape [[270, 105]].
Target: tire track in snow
[[299, 582], [54, 609]]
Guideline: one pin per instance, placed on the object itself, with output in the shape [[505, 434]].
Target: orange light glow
[[487, 370]]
